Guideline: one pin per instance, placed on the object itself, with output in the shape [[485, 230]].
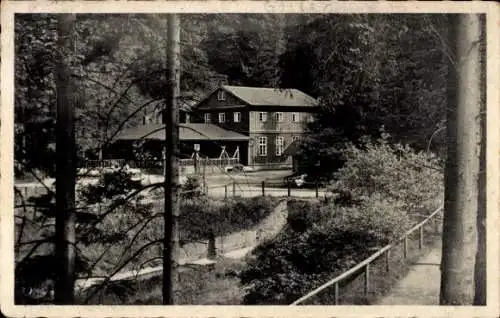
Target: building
[[253, 124], [272, 119]]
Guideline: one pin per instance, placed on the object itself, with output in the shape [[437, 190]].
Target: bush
[[110, 186], [381, 186], [397, 172], [192, 188]]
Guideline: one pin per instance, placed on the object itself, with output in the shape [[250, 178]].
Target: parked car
[[301, 180], [239, 168]]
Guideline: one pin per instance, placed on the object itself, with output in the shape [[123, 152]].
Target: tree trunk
[[462, 165], [172, 187], [480, 266], [65, 170]]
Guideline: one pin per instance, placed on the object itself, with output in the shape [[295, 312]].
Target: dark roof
[[259, 96], [292, 149], [186, 132]]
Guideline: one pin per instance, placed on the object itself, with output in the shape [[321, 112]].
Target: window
[[294, 138], [237, 117], [295, 117], [188, 118], [221, 95], [310, 118], [262, 146], [262, 116], [279, 145], [208, 118], [279, 116], [222, 117]]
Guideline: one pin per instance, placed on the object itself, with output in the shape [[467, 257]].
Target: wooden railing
[[365, 265]]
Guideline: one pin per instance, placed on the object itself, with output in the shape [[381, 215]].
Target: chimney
[[217, 81]]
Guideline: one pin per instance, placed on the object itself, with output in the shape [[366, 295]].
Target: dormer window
[[221, 95]]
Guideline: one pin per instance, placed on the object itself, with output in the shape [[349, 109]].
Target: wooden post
[[421, 237], [405, 246], [317, 190], [289, 189], [234, 188], [263, 188], [367, 279], [211, 252], [388, 261], [225, 191], [336, 294]]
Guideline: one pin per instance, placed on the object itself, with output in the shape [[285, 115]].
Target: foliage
[[202, 216], [111, 185], [35, 233], [192, 188], [369, 71], [320, 242], [383, 188], [394, 171]]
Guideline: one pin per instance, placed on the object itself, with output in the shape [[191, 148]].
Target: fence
[[364, 267], [278, 188]]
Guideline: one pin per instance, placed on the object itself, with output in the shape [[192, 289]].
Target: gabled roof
[[260, 96], [186, 132]]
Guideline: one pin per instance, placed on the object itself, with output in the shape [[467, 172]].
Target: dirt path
[[421, 284]]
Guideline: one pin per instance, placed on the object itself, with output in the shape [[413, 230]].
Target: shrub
[[193, 187], [395, 171], [380, 185], [110, 186]]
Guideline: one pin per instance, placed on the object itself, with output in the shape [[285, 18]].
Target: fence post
[[387, 261], [436, 224], [234, 188], [336, 295], [211, 253], [317, 190], [405, 246], [225, 191], [421, 237], [289, 189], [263, 188], [367, 279]]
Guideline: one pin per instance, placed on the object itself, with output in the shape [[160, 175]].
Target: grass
[[197, 285]]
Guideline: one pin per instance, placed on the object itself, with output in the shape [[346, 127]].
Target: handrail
[[366, 262]]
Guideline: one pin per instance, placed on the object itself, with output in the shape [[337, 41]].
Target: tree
[[65, 169], [463, 162], [172, 186], [368, 72]]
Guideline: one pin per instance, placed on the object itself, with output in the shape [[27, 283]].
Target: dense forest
[[371, 73]]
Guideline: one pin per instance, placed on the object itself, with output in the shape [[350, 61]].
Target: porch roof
[[187, 132]]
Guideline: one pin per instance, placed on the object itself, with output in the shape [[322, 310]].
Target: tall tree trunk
[[65, 170], [480, 266], [462, 165], [172, 187]]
